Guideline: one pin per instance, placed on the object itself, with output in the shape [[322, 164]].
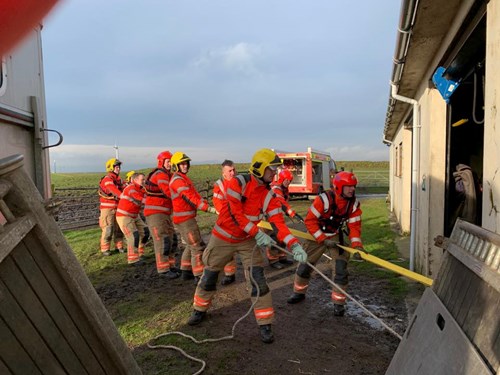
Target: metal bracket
[[58, 142]]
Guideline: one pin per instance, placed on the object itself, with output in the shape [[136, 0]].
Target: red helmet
[[162, 156], [342, 179], [285, 174]]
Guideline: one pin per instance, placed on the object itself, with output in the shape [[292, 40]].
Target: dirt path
[[309, 338]]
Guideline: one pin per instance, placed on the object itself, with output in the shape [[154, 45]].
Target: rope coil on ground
[[204, 364]]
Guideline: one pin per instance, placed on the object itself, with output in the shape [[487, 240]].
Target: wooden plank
[[66, 297], [37, 314], [476, 266], [469, 299], [4, 370], [13, 354], [486, 332], [456, 273], [13, 234], [56, 309], [25, 332], [457, 295], [442, 275]]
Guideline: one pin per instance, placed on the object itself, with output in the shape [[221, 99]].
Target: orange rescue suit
[[158, 199], [131, 201], [110, 188], [247, 200], [328, 212], [185, 198]]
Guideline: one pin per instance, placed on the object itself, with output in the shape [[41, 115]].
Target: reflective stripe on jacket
[[131, 201], [329, 207], [219, 194], [248, 200], [158, 199], [110, 189], [185, 198]]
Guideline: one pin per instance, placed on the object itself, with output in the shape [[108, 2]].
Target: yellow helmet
[[178, 158], [111, 164], [129, 176], [262, 159]]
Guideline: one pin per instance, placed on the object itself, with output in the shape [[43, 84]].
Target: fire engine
[[312, 171]]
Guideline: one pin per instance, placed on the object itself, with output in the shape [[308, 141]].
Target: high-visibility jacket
[[131, 201], [282, 194], [185, 198], [157, 187], [328, 213], [248, 200], [219, 194], [110, 189]]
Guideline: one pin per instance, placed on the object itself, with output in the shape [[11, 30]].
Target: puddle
[[354, 311]]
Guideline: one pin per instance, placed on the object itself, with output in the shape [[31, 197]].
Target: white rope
[[160, 346], [347, 294], [207, 340]]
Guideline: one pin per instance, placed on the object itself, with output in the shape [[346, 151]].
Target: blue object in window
[[446, 87]]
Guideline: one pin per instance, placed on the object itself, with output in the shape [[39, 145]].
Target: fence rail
[[80, 205], [80, 209]]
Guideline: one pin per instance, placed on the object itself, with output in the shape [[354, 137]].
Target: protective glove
[[331, 244], [299, 253], [263, 240], [299, 218], [357, 256], [212, 210]]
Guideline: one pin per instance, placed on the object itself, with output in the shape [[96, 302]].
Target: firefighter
[[325, 221], [186, 201], [110, 188], [277, 258], [129, 220], [158, 210], [127, 178], [218, 197], [248, 198]]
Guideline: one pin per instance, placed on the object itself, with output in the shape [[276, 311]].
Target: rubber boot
[[106, 253], [187, 275], [266, 334], [196, 280], [338, 310], [277, 265], [169, 275], [296, 298], [196, 317], [228, 279]]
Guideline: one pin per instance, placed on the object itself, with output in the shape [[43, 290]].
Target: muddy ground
[[309, 339]]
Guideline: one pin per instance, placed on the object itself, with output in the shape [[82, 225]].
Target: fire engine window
[[317, 172]]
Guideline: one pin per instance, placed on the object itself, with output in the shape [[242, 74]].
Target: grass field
[[141, 316], [370, 175]]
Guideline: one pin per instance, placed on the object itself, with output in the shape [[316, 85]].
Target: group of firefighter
[[170, 202]]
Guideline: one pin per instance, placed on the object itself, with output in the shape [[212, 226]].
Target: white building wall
[[401, 184], [431, 184], [491, 169]]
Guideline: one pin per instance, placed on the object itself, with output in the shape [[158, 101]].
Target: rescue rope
[[347, 294], [230, 337]]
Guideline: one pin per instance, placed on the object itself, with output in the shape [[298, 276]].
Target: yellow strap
[[368, 257]]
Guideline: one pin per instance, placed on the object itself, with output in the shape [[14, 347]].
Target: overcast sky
[[217, 79]]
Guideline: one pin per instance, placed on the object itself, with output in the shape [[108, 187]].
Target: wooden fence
[[79, 207], [51, 318]]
